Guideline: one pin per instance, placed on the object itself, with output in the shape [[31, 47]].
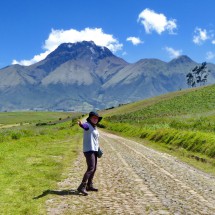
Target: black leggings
[[91, 159]]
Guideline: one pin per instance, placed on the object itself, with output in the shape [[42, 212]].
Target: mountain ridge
[[83, 76]]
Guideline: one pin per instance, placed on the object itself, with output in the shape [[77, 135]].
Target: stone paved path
[[134, 179]]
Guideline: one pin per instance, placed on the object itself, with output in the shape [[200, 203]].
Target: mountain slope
[[150, 77], [83, 76], [67, 79], [182, 121], [198, 101]]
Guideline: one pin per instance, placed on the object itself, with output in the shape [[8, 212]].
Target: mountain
[[83, 76], [149, 77]]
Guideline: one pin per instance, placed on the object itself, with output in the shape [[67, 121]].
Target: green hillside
[[32, 117], [182, 121]]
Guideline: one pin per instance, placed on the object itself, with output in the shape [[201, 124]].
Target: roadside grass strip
[[32, 160]]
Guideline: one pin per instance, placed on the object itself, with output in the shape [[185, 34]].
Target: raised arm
[[85, 126]]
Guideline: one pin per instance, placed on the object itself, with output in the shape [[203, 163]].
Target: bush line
[[195, 141]]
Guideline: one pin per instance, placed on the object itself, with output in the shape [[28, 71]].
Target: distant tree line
[[198, 75]]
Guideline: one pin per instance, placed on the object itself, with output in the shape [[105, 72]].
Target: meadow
[[32, 117], [34, 158], [182, 123]]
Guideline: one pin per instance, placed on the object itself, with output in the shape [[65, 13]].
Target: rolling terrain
[[43, 165], [182, 121], [83, 76]]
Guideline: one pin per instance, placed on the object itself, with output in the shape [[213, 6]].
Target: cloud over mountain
[[172, 52], [57, 37]]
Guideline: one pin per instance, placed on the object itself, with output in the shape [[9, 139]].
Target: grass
[[179, 121], [206, 164], [32, 160], [32, 117], [138, 105]]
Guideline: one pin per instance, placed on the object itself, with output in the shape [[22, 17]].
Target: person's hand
[[79, 122]]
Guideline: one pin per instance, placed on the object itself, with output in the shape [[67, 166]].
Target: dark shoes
[[82, 189], [91, 188]]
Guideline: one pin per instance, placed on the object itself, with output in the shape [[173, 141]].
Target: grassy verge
[[196, 148], [182, 122], [32, 160], [197, 160]]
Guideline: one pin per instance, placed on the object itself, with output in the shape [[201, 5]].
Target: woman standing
[[90, 149]]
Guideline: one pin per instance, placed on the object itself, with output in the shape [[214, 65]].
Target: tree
[[198, 75]]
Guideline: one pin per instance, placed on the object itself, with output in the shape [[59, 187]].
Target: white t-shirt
[[91, 138]]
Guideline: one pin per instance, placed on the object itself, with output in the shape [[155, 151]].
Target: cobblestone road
[[133, 179]]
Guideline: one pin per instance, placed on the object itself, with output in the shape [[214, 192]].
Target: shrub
[[15, 136]]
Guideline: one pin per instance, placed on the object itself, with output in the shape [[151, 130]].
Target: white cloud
[[134, 40], [156, 22], [35, 59], [56, 37], [173, 53], [213, 42], [200, 36], [210, 55]]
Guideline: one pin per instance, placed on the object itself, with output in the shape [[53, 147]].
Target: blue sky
[[131, 29]]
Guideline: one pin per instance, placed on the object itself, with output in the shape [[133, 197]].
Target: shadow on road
[[58, 192]]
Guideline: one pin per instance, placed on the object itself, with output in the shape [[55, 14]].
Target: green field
[[181, 122], [33, 117], [33, 158]]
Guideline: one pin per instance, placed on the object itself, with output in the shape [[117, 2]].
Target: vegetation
[[32, 160], [182, 121], [198, 75], [32, 117]]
